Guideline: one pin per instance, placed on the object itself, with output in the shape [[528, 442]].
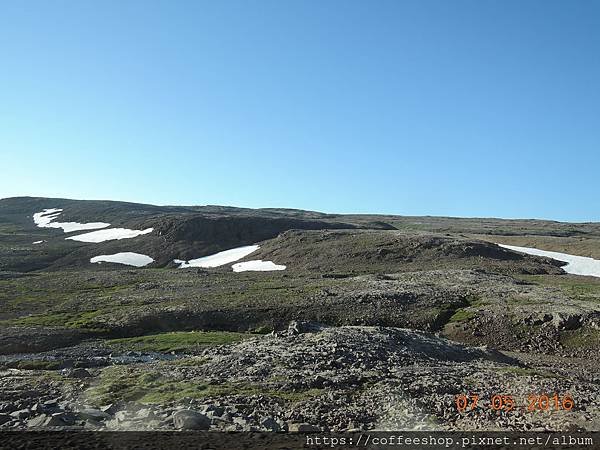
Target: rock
[[21, 414], [7, 407], [120, 416], [78, 373], [270, 424], [109, 409], [92, 424], [217, 411], [145, 413], [190, 420], [303, 326], [241, 422], [61, 418], [48, 421], [50, 404], [58, 422], [93, 414], [302, 428], [38, 421], [5, 418]]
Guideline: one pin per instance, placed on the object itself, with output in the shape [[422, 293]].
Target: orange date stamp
[[507, 403]]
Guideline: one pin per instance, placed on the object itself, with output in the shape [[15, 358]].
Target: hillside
[[231, 304]]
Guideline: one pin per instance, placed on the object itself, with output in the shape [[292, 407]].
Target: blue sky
[[462, 108]]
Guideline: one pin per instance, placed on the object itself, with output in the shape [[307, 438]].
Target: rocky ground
[[307, 378], [378, 323]]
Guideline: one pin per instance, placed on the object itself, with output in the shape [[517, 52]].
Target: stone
[[145, 413], [93, 414], [303, 326], [5, 418], [302, 428], [216, 411], [21, 414], [47, 421], [92, 424], [242, 422], [38, 421], [270, 424], [109, 409], [190, 420], [78, 373], [563, 321], [50, 404], [60, 419]]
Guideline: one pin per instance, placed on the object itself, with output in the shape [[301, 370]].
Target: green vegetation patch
[[83, 320], [152, 386], [577, 288], [179, 341], [462, 315], [466, 313], [581, 338], [35, 364]]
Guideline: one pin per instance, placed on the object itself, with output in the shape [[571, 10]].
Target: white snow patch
[[257, 265], [110, 234], [576, 265], [45, 219], [38, 242], [218, 259], [128, 258]]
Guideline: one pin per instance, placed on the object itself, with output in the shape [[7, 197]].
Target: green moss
[[152, 386], [36, 365], [83, 320], [462, 315], [577, 288], [581, 338], [180, 341]]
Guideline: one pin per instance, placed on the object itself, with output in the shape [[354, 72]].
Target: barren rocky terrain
[[376, 323]]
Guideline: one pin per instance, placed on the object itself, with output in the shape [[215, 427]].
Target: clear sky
[[463, 108]]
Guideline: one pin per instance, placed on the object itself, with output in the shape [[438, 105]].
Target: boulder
[[565, 321], [38, 421], [217, 411], [93, 414], [109, 409], [242, 423], [270, 424], [49, 421], [303, 326], [21, 414], [190, 420], [78, 373]]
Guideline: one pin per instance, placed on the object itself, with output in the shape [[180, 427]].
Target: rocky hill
[[317, 322]]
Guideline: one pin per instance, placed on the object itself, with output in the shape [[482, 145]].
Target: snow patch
[[110, 234], [576, 265], [128, 258], [257, 265], [45, 219], [218, 259]]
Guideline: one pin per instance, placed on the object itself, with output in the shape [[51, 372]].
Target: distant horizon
[[368, 213], [459, 109]]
